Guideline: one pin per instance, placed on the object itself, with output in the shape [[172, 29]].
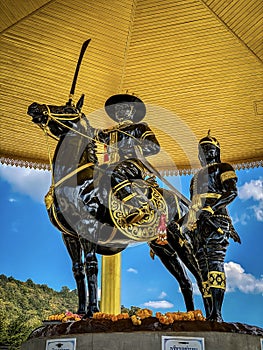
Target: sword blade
[[82, 52]]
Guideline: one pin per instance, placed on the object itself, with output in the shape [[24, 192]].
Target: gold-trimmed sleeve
[[228, 175], [120, 185], [147, 134]]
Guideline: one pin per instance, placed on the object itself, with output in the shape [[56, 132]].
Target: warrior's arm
[[101, 135], [228, 195], [228, 191], [139, 135], [148, 144], [191, 188]]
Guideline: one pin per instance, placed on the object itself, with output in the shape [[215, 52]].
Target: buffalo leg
[[171, 261], [75, 252], [91, 266]]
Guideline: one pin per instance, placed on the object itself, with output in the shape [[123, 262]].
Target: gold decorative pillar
[[111, 284], [111, 265]]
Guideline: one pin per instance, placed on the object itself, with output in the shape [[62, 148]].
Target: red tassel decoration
[[161, 230], [106, 155]]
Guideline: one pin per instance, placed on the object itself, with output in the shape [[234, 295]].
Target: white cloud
[[252, 189], [162, 295], [12, 200], [31, 182], [159, 304], [238, 279], [258, 211], [243, 219], [132, 270]]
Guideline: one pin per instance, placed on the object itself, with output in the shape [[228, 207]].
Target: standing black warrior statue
[[211, 190]]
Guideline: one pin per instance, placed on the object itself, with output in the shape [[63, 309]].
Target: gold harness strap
[[49, 198], [62, 228], [73, 173]]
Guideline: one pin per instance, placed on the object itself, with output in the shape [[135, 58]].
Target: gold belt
[[197, 205]]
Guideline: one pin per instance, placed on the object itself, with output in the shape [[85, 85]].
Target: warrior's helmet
[[203, 148]]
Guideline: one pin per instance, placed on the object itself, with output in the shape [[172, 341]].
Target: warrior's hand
[[205, 214], [234, 235]]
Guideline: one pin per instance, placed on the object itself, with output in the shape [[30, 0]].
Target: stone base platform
[[123, 335]]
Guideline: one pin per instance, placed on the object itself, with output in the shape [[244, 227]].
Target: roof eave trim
[[164, 172]]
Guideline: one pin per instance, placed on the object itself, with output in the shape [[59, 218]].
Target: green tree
[[131, 311], [24, 305]]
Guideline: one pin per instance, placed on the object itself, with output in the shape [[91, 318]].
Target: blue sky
[[32, 248]]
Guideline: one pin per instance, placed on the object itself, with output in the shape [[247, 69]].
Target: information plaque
[[182, 343], [61, 344]]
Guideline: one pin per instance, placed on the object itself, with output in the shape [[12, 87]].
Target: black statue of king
[[101, 208]]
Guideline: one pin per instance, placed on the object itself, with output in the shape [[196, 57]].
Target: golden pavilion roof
[[196, 64]]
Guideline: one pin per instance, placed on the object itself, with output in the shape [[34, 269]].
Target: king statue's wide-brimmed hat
[[139, 106]]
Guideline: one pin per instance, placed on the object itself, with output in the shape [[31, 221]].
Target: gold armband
[[228, 175], [209, 209]]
